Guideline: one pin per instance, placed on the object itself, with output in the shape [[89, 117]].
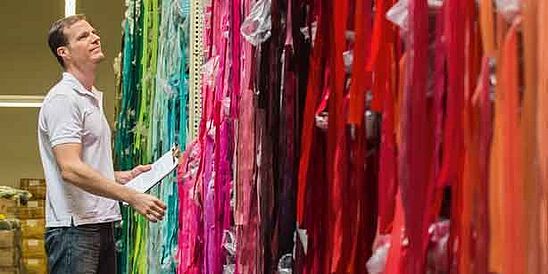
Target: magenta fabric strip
[[209, 265], [190, 248]]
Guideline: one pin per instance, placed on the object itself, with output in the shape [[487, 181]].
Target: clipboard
[[159, 170]]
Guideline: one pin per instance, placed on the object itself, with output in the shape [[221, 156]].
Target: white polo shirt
[[72, 114]]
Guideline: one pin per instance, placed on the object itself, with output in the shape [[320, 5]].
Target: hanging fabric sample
[[320, 136], [152, 116]]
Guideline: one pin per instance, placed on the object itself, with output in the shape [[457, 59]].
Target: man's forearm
[[84, 177]]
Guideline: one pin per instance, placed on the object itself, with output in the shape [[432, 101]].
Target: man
[[74, 138]]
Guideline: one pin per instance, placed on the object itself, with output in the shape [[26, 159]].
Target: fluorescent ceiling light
[[21, 101], [70, 7]]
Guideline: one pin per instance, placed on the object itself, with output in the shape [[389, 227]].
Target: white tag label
[[303, 236], [32, 204], [32, 222]]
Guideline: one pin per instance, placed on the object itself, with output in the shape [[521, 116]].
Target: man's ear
[[63, 51]]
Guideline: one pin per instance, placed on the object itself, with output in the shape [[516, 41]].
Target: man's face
[[84, 44]]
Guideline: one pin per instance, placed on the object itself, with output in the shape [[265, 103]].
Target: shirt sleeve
[[64, 120]]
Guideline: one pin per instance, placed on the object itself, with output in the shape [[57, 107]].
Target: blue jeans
[[85, 249]]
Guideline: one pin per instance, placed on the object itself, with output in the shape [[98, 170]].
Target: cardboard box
[[33, 248], [40, 203], [38, 192], [10, 270], [33, 228], [9, 257], [30, 213], [8, 207], [10, 248], [32, 210], [25, 183], [37, 187], [8, 239], [35, 265]]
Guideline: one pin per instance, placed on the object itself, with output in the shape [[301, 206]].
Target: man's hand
[[149, 206], [123, 177], [177, 154]]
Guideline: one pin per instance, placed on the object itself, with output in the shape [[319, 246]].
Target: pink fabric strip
[[235, 53], [189, 252]]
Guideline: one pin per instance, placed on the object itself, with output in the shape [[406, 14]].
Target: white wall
[[28, 68]]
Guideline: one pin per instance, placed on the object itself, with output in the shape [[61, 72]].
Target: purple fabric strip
[[209, 265]]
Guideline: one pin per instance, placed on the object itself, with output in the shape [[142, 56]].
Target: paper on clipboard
[[159, 169]]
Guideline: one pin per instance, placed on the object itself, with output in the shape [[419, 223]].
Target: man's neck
[[85, 76]]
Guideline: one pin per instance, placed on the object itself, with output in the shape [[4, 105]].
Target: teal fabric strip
[[125, 123]]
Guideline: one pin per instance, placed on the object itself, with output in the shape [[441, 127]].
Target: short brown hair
[[56, 35]]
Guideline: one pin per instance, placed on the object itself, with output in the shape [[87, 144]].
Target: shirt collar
[[78, 87]]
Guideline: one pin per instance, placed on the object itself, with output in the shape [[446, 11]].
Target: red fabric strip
[[361, 76], [382, 62], [313, 94], [417, 148], [383, 42], [336, 143]]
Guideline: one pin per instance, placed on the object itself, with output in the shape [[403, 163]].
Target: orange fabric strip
[[529, 141], [542, 130]]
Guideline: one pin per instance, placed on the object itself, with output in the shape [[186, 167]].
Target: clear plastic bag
[[509, 9], [285, 264], [229, 269], [257, 25], [307, 33], [229, 243], [210, 69], [322, 120], [399, 13], [348, 58], [377, 263], [437, 251]]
